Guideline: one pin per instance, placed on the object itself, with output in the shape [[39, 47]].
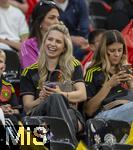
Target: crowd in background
[[85, 45]]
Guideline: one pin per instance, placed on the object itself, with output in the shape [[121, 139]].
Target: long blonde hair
[[101, 56], [65, 59]]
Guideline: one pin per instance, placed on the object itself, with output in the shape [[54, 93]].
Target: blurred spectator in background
[[121, 14], [98, 12], [21, 4], [44, 15], [8, 99], [31, 5], [13, 26], [94, 40], [74, 14], [26, 6]]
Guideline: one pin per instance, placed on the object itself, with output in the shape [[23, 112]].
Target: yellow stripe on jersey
[[8, 84], [76, 62], [89, 73], [12, 88], [87, 76], [24, 71], [33, 66]]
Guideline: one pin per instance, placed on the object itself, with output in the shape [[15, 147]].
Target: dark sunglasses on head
[[47, 2]]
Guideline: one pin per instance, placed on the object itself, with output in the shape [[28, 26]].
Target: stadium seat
[[12, 61], [12, 72], [58, 127], [115, 147], [58, 145], [98, 11]]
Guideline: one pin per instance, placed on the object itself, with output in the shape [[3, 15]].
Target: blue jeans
[[123, 112]]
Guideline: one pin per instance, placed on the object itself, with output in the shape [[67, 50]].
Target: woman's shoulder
[[30, 42], [31, 69], [91, 72], [29, 46], [94, 68], [76, 62]]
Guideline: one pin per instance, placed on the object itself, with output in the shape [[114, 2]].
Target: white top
[[2, 118], [12, 24]]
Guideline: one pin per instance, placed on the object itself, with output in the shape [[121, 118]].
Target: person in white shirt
[[13, 26], [22, 5]]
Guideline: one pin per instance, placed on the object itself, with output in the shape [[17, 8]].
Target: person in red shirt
[[32, 4]]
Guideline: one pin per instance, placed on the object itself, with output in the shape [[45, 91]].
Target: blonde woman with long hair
[[40, 99]]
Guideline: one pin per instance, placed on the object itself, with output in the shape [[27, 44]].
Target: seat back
[[12, 72], [98, 11], [106, 131], [58, 127], [12, 61], [58, 145], [115, 147]]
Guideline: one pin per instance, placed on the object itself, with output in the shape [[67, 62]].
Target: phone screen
[[127, 68], [51, 85]]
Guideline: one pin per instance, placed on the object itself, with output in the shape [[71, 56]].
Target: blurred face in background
[[51, 18], [94, 46]]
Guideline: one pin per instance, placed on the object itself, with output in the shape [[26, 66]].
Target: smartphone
[[127, 68], [51, 84]]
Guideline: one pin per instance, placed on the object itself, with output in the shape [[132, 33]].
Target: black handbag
[[65, 85]]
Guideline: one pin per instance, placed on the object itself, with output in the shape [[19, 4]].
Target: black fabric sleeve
[[13, 101], [94, 84], [26, 85], [78, 74]]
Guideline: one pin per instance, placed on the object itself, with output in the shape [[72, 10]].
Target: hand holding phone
[[127, 68]]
